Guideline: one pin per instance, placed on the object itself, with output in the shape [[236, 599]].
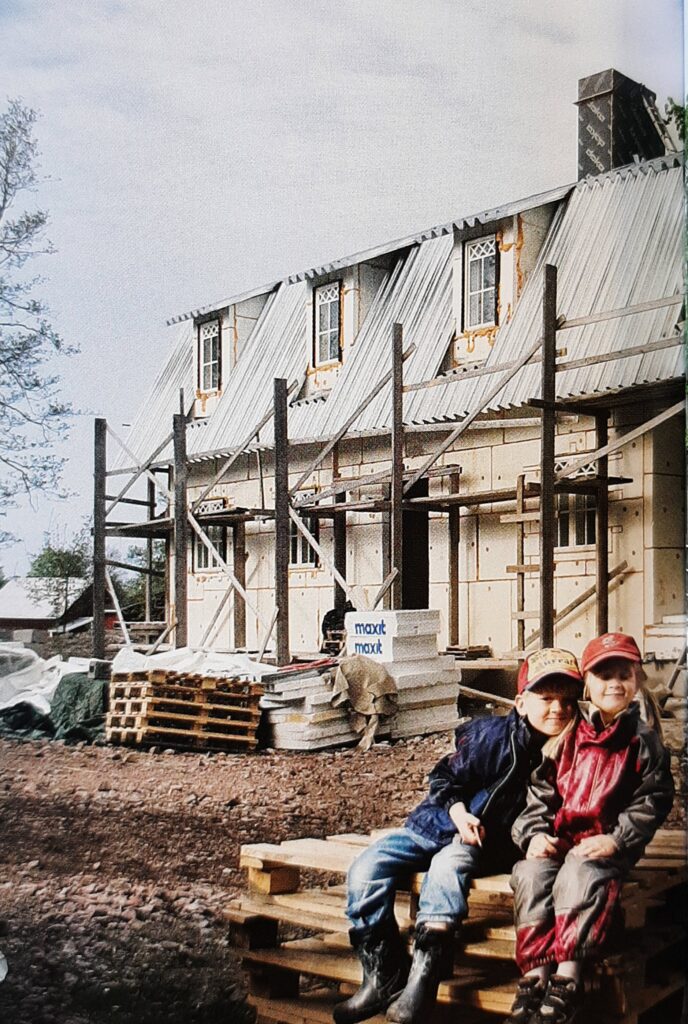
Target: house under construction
[[486, 418]]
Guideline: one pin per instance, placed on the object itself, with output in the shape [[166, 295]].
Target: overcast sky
[[197, 149]]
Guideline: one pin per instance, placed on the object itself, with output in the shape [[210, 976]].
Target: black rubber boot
[[385, 965], [432, 959]]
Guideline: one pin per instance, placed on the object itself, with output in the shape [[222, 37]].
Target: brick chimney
[[617, 121]]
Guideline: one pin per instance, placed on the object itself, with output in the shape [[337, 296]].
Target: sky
[[194, 150]]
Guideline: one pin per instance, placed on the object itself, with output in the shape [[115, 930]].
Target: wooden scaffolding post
[[339, 539], [99, 469], [397, 483], [239, 559], [547, 476], [454, 537], [602, 525], [282, 521], [181, 529], [386, 548], [520, 561], [148, 578]]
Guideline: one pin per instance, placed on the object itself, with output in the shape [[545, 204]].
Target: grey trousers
[[563, 910]]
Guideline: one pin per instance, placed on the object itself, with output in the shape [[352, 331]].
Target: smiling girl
[[592, 808]]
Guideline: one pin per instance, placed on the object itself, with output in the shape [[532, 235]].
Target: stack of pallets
[[299, 980], [180, 709]]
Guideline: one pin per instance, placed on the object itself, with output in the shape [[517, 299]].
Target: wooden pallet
[[283, 971], [184, 710]]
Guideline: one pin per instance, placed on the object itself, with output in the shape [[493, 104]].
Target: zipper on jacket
[[506, 778]]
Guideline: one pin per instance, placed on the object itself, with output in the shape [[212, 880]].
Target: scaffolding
[[178, 520]]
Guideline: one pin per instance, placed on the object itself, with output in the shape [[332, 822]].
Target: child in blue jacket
[[460, 829]]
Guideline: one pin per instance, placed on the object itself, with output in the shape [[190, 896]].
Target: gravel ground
[[116, 865]]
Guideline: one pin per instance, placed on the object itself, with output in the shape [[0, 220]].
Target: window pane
[[334, 316], [323, 318], [475, 276], [488, 305], [489, 266], [474, 310]]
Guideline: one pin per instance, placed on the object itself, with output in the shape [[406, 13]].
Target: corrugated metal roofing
[[417, 294], [616, 243], [278, 347]]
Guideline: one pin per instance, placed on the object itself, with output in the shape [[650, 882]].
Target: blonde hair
[[649, 708], [553, 744]]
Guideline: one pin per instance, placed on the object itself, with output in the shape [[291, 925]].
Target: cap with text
[[610, 645], [551, 661]]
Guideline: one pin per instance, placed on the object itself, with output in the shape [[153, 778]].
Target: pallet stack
[[183, 709], [299, 980]]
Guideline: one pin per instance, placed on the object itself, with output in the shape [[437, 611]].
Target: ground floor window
[[300, 551], [576, 520], [203, 561]]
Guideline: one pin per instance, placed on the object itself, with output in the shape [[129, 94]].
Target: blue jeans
[[373, 878]]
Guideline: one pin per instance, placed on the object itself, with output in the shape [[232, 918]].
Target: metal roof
[[278, 347], [616, 240], [417, 294]]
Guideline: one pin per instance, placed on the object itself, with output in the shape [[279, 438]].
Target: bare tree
[[32, 418]]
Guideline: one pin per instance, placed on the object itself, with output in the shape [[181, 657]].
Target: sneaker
[[529, 994], [562, 1001]]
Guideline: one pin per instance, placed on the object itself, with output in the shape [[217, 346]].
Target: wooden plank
[[181, 533], [397, 460], [278, 880], [322, 455], [615, 314], [620, 442], [99, 517], [520, 517], [466, 422], [523, 567], [547, 441], [602, 526], [454, 527], [282, 542], [614, 576], [239, 555]]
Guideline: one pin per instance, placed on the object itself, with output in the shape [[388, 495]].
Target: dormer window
[[327, 324], [480, 283], [209, 358]]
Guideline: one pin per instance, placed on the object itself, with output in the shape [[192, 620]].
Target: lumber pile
[[188, 710], [299, 980]]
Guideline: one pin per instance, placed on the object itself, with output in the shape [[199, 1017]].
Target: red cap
[[610, 645], [551, 661]]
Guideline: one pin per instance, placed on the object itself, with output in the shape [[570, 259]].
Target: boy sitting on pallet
[[461, 829]]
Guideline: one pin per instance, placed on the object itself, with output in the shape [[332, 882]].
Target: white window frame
[[484, 247], [327, 294], [301, 554], [203, 561], [209, 367], [578, 511]]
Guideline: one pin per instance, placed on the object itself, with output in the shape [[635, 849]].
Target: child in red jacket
[[591, 811]]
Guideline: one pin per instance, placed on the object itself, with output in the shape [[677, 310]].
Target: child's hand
[[594, 847], [542, 845], [467, 825]]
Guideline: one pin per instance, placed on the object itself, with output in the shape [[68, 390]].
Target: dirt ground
[[116, 865]]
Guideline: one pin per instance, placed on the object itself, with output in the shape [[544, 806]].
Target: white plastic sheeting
[[24, 677], [184, 659]]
